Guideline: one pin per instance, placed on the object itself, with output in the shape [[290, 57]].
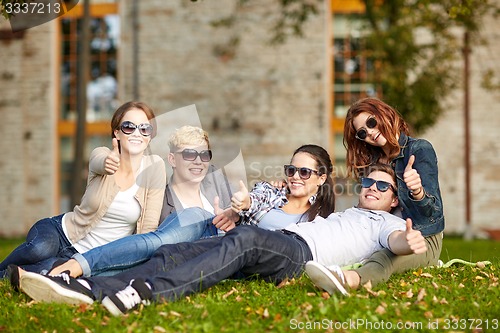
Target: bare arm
[[408, 241]]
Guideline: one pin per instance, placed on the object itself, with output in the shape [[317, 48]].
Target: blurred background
[[265, 76]]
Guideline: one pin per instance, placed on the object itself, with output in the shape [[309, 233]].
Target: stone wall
[[266, 99], [448, 138], [27, 107]]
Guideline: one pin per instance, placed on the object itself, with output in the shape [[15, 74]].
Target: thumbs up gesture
[[112, 161], [241, 199], [224, 220], [412, 179], [414, 238]]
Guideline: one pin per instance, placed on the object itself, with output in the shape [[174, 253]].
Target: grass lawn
[[457, 299]]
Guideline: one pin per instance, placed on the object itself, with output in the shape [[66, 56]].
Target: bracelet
[[414, 194]]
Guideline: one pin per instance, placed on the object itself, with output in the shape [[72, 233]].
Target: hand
[[416, 242], [278, 183], [412, 179], [241, 199], [224, 220], [112, 161]]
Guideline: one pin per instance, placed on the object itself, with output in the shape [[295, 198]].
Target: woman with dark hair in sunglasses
[[374, 132], [307, 192], [194, 183], [124, 194]]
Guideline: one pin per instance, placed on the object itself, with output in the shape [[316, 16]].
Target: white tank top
[[119, 221]]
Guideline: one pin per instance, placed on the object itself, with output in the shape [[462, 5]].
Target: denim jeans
[[177, 270], [44, 244], [189, 225]]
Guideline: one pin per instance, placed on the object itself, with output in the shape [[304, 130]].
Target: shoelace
[[64, 276], [129, 297]]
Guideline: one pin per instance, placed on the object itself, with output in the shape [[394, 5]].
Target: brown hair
[[123, 109], [379, 167], [382, 168], [325, 199], [390, 123]]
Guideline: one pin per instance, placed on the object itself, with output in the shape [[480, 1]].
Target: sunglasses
[[362, 133], [304, 173], [382, 186], [128, 127], [191, 155]]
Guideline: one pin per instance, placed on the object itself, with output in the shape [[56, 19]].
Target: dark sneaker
[[59, 288], [13, 276], [136, 293], [331, 279]]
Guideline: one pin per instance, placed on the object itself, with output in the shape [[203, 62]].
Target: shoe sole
[[111, 307], [40, 288], [324, 279]]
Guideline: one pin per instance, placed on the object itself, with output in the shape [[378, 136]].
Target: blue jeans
[[188, 225], [44, 244], [177, 270]]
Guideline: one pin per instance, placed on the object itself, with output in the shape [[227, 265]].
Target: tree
[[416, 46]]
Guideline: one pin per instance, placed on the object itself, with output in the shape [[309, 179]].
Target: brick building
[[262, 99]]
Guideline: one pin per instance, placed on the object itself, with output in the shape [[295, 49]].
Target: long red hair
[[390, 123]]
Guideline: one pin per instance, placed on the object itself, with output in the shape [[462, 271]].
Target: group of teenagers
[[136, 238]]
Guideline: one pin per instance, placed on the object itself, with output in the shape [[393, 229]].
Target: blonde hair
[[186, 136]]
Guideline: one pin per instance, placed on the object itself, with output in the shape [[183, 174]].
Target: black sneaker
[[13, 276], [136, 293], [59, 288]]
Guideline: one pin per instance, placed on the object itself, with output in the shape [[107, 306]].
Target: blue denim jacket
[[426, 214]]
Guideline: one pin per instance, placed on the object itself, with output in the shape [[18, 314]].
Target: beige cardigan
[[102, 189]]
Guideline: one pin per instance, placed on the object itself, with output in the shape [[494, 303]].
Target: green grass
[[460, 298]]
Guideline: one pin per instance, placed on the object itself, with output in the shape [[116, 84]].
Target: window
[[353, 74], [353, 71]]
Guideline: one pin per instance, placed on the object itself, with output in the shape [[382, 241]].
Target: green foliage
[[416, 49], [458, 298], [294, 13]]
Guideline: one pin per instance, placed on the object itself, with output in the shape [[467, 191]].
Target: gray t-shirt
[[347, 237]]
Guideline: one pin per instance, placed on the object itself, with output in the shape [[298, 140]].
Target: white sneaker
[[59, 288], [331, 279]]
